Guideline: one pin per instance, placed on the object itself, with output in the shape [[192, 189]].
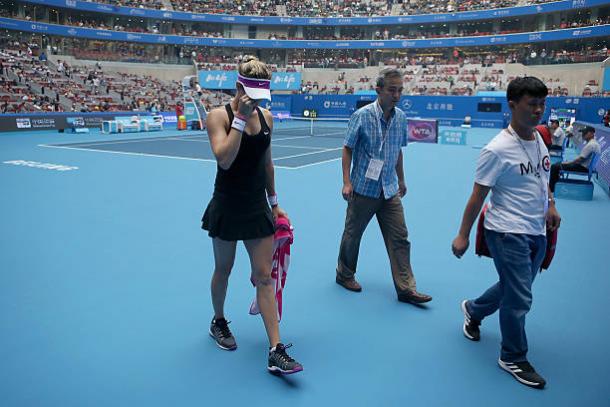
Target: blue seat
[[558, 155], [592, 169]]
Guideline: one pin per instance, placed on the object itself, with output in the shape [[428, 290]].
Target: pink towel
[[282, 240]]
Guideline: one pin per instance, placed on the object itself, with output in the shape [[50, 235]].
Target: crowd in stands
[[21, 77], [579, 21], [331, 8], [153, 4], [411, 7], [29, 84], [538, 56], [346, 8], [197, 30]]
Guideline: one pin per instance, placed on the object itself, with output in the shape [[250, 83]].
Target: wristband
[[241, 116], [238, 124], [272, 199]]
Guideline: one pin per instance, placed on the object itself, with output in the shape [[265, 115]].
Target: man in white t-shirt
[[580, 163], [515, 167], [557, 136]]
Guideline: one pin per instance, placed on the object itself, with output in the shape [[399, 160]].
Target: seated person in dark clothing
[[580, 163]]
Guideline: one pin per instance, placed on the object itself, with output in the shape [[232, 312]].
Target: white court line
[[289, 138], [273, 145], [301, 147], [193, 141], [310, 153], [185, 139], [103, 143], [143, 154], [127, 153], [316, 163]]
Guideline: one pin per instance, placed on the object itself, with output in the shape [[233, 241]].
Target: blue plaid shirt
[[364, 139]]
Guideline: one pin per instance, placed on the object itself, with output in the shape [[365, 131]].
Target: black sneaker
[[219, 330], [524, 373], [471, 325], [280, 362]]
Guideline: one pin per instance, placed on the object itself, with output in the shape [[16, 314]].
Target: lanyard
[[378, 115], [537, 165]]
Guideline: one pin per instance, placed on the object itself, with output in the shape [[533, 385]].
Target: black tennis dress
[[238, 209]]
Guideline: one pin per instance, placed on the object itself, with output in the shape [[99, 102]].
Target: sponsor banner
[[327, 21], [227, 79], [422, 130], [87, 121], [279, 103], [455, 137], [285, 81], [95, 121], [169, 117], [30, 122], [217, 79], [75, 122], [23, 123], [57, 121], [42, 122]]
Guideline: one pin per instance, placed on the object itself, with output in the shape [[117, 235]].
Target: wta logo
[[421, 131]]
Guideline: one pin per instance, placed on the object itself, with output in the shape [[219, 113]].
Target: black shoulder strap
[[229, 112], [261, 117]]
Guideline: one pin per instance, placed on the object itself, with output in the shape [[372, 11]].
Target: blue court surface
[[105, 274]]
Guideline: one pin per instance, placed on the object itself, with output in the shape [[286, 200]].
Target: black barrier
[[58, 121]]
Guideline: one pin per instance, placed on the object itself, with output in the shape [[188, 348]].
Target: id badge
[[374, 170]]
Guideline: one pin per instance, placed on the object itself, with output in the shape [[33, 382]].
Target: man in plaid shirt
[[375, 185]]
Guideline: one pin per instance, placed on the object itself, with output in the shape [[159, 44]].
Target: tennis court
[[105, 272]]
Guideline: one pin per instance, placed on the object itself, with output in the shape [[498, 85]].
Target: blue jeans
[[517, 258]]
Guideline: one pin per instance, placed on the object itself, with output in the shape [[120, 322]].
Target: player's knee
[[262, 277]]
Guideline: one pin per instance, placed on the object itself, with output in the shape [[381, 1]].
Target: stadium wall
[[487, 111], [450, 110], [29, 122], [107, 35]]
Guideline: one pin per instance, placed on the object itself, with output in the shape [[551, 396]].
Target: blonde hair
[[251, 67]]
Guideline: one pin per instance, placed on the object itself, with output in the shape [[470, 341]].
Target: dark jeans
[[557, 167], [391, 219], [517, 258]]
